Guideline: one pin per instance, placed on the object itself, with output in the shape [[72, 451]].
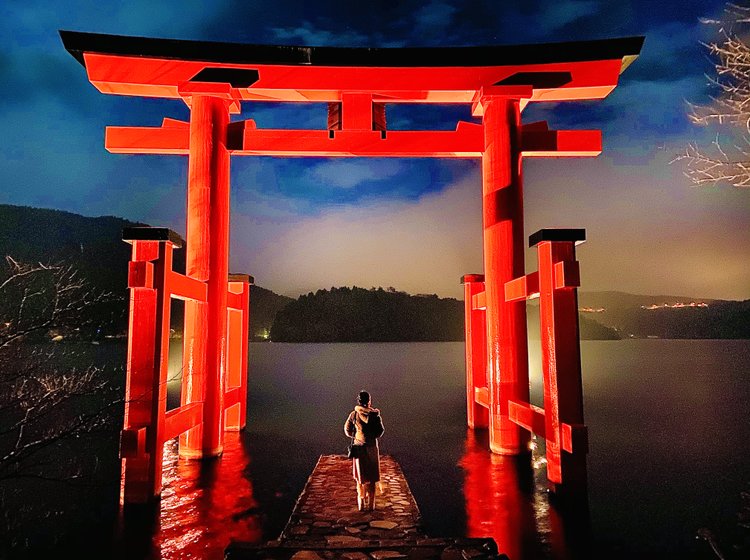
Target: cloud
[[255, 193], [638, 115], [42, 158], [434, 19], [641, 220], [311, 35], [422, 246], [648, 231], [671, 51], [559, 14], [348, 174], [648, 106], [314, 185]]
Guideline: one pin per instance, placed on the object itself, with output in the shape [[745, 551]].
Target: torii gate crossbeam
[[356, 85]]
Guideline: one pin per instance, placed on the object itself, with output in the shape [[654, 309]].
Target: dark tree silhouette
[[52, 398]]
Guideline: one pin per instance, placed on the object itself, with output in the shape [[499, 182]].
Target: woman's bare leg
[[370, 496], [361, 497]]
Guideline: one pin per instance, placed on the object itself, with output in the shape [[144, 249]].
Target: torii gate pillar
[[205, 342], [502, 209]]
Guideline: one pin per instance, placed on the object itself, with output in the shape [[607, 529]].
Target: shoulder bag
[[354, 451]]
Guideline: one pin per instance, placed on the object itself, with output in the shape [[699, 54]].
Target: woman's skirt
[[367, 468]]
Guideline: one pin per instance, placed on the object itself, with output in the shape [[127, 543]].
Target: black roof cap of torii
[[77, 43]]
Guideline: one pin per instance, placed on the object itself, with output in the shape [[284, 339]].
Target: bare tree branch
[[45, 397], [729, 107]]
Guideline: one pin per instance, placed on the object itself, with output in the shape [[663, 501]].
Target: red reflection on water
[[506, 499], [204, 505], [495, 505]]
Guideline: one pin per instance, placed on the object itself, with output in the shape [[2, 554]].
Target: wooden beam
[[467, 141], [184, 287], [560, 143], [171, 140], [232, 396], [482, 396], [523, 288], [245, 139], [235, 301], [181, 419], [527, 416], [479, 301]]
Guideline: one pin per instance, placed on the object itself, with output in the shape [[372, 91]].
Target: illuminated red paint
[[504, 501], [204, 507], [467, 141], [560, 422], [561, 363], [238, 335], [136, 469], [159, 77], [148, 425], [196, 266], [495, 503], [502, 203], [356, 85], [476, 363]]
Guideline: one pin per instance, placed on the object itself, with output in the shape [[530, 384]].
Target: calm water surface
[[668, 425]]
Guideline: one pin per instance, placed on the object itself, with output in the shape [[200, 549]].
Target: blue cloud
[[434, 19], [309, 34], [557, 15], [351, 173]]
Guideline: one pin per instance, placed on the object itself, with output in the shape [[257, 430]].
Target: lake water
[[668, 424]]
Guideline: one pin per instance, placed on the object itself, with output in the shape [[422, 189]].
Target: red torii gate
[[357, 84]]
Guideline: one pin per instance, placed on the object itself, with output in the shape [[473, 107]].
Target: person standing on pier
[[365, 426]]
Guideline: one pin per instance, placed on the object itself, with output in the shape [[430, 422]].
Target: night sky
[[303, 224]]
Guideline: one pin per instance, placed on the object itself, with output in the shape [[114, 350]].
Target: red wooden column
[[142, 440], [502, 204], [565, 432], [140, 371], [207, 247], [197, 256], [238, 327], [477, 416]]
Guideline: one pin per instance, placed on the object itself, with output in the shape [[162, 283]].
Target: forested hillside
[[378, 315], [94, 246]]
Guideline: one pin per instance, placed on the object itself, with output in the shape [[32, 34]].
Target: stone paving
[[326, 524]]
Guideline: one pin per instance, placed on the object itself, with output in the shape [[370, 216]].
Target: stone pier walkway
[[326, 524]]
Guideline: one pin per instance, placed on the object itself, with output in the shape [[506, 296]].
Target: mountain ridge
[[94, 245]]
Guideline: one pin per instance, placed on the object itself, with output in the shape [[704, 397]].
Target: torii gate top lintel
[[356, 83], [156, 68]]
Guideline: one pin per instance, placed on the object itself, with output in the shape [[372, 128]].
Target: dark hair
[[363, 398]]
